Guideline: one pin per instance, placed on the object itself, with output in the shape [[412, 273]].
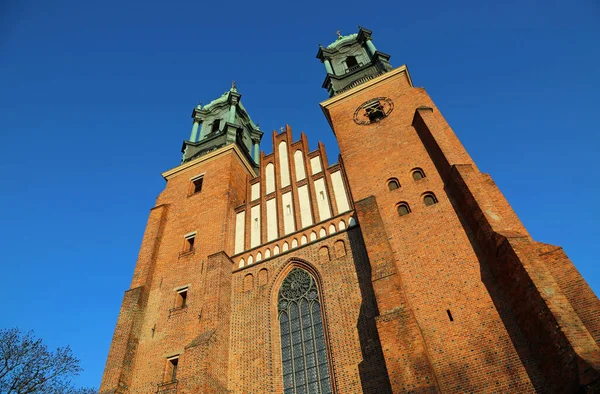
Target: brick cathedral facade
[[400, 268]]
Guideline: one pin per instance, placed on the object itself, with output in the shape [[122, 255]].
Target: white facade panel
[[270, 175], [240, 226], [284, 165], [255, 191], [271, 220], [322, 200], [339, 191], [299, 164], [315, 165], [288, 213], [254, 227], [305, 210]]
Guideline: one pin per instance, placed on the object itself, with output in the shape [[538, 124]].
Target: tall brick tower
[[401, 268]]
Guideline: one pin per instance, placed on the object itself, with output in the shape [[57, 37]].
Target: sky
[[96, 97]]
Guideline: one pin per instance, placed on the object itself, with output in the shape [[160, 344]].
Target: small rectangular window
[[171, 371], [189, 242], [181, 300], [196, 186]]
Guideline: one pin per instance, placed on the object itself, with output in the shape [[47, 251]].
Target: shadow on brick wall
[[373, 373], [495, 354]]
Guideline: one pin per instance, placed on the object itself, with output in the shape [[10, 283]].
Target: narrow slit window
[[449, 315], [171, 372], [190, 240], [322, 195], [181, 299], [197, 184]]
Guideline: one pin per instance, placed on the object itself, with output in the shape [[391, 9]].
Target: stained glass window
[[303, 350]]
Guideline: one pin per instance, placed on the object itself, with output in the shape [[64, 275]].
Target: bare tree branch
[[28, 367]]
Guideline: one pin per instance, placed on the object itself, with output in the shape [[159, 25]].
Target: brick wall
[[482, 349]]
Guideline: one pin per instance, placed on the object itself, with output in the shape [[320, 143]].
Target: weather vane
[[339, 33]]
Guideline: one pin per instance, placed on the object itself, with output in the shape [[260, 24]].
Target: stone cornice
[[210, 156]]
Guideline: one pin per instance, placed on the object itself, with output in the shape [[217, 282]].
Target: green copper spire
[[351, 60], [221, 122]]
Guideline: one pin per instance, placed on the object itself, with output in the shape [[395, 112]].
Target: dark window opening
[[393, 184], [403, 209], [374, 111], [429, 199], [449, 314], [215, 125], [171, 372], [189, 242], [351, 63], [418, 174], [181, 300], [197, 185]]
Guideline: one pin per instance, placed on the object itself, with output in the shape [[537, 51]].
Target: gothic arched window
[[303, 349]]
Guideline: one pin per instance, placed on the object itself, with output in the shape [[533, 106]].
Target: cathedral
[[400, 268]]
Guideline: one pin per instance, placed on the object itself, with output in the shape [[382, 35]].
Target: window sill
[[167, 388], [177, 311], [187, 253]]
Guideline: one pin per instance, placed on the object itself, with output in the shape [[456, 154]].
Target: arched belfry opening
[[303, 350]]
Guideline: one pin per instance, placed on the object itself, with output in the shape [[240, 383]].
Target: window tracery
[[303, 350]]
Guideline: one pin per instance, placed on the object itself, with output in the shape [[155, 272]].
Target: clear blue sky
[[96, 96]]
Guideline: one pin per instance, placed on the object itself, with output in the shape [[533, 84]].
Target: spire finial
[[233, 85], [339, 33], [199, 106]]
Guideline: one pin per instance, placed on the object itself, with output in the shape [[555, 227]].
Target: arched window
[[429, 199], [351, 63], [303, 350], [418, 174], [393, 184], [215, 125], [403, 209]]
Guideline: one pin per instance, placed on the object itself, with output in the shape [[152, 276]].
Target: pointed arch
[[302, 331]]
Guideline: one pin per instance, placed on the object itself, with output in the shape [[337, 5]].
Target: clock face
[[373, 110]]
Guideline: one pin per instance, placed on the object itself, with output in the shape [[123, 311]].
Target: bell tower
[[464, 293], [351, 60], [222, 122]]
